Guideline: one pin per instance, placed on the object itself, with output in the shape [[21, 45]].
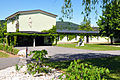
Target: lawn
[[112, 63], [96, 47], [3, 55]]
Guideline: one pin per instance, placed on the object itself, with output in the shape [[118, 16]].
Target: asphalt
[[8, 62], [60, 53]]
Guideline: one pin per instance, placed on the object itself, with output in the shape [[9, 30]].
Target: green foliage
[[18, 68], [9, 49], [27, 34], [70, 37], [1, 46], [15, 39], [53, 30], [3, 29], [84, 71], [85, 26], [96, 47], [6, 48], [15, 51], [3, 55], [66, 26], [89, 6], [36, 66], [109, 22]]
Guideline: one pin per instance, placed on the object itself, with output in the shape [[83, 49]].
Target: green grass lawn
[[3, 55], [97, 47], [112, 63]]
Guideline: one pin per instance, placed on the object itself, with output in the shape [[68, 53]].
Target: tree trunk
[[111, 38]]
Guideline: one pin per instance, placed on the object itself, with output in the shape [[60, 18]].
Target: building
[[27, 28], [88, 36]]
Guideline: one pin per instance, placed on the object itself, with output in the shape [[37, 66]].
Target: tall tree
[[109, 22], [3, 29]]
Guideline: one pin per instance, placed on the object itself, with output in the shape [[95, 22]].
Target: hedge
[[9, 49]]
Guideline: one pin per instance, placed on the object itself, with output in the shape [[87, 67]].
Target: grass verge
[[96, 47], [3, 55]]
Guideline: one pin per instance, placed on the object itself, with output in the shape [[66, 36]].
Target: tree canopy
[[90, 5], [85, 25], [109, 22]]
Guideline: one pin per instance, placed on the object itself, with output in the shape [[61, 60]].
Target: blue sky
[[8, 7]]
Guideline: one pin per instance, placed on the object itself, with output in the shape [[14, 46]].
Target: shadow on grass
[[112, 62], [115, 44]]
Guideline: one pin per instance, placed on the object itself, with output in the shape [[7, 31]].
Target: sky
[[8, 7]]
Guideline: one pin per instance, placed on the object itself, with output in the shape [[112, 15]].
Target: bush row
[[9, 49]]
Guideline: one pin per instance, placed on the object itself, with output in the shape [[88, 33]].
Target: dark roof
[[76, 31], [19, 12]]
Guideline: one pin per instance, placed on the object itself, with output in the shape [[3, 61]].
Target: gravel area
[[10, 73]]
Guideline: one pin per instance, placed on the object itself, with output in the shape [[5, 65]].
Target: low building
[[28, 28], [87, 36]]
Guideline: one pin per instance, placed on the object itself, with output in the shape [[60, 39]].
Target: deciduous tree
[[109, 22]]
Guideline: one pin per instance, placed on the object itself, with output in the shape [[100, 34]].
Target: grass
[[112, 63], [3, 55], [96, 47]]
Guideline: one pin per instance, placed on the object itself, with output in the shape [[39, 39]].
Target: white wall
[[99, 39], [64, 40], [39, 21], [11, 26], [91, 40]]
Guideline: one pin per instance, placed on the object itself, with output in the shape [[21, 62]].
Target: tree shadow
[[112, 62], [114, 44], [82, 56]]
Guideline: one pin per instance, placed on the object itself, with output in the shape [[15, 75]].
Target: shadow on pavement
[[67, 56]]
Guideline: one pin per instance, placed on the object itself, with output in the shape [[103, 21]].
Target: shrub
[[5, 48], [1, 46], [36, 66], [15, 51], [9, 49], [82, 71]]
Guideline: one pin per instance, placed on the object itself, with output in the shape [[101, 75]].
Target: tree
[[90, 5], [109, 22], [85, 25], [3, 29]]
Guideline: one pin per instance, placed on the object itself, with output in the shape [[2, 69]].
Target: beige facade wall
[[36, 22], [11, 26], [91, 40], [98, 39]]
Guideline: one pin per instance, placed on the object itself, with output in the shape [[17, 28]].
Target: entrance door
[[87, 41]]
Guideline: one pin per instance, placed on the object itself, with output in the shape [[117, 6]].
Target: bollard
[[26, 52]]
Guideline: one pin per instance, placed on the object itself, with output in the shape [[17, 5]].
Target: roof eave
[[19, 12]]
